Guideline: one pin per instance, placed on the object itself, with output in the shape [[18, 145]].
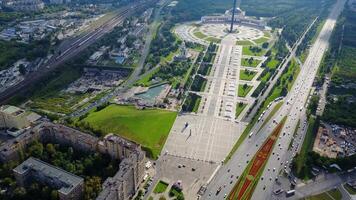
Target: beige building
[[126, 181], [14, 117]]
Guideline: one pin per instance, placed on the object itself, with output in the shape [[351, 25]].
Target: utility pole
[[233, 17]]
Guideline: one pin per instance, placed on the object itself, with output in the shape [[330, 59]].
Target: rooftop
[[12, 110], [69, 180]]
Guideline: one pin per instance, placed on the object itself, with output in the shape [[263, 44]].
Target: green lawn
[[239, 108], [272, 63], [175, 193], [212, 39], [145, 80], [196, 105], [149, 127], [250, 63], [160, 187], [307, 145], [261, 40], [350, 189], [199, 35], [333, 194], [247, 75], [242, 91], [267, 34], [246, 50], [244, 43], [169, 57]]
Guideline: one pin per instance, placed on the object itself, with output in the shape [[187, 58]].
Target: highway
[[280, 70], [293, 107], [71, 50]]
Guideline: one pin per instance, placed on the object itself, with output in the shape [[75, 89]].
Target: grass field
[[212, 39], [196, 105], [350, 189], [307, 145], [261, 40], [333, 194], [160, 187], [199, 35], [247, 51], [239, 108], [175, 193], [242, 92], [145, 80], [244, 43], [267, 34], [253, 63], [149, 127], [247, 75]]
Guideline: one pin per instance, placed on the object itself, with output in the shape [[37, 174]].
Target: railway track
[[70, 52]]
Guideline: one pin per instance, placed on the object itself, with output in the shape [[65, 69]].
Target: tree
[[19, 193], [250, 60], [36, 149], [54, 195], [245, 86], [284, 91], [180, 197], [265, 45], [22, 69], [92, 187], [50, 149]]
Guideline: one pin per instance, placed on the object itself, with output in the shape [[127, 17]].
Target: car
[[278, 191], [218, 190]]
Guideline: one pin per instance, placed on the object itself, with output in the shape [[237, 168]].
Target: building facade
[[122, 186]]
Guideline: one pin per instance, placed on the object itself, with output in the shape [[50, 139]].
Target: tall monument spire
[[233, 17]]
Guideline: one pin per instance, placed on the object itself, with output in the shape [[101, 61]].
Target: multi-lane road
[[296, 101], [293, 107], [73, 48]]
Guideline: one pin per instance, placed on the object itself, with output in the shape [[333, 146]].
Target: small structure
[[14, 117], [69, 185], [183, 53]]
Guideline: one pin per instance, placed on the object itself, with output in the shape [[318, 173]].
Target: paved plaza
[[221, 30], [212, 132], [205, 138]]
